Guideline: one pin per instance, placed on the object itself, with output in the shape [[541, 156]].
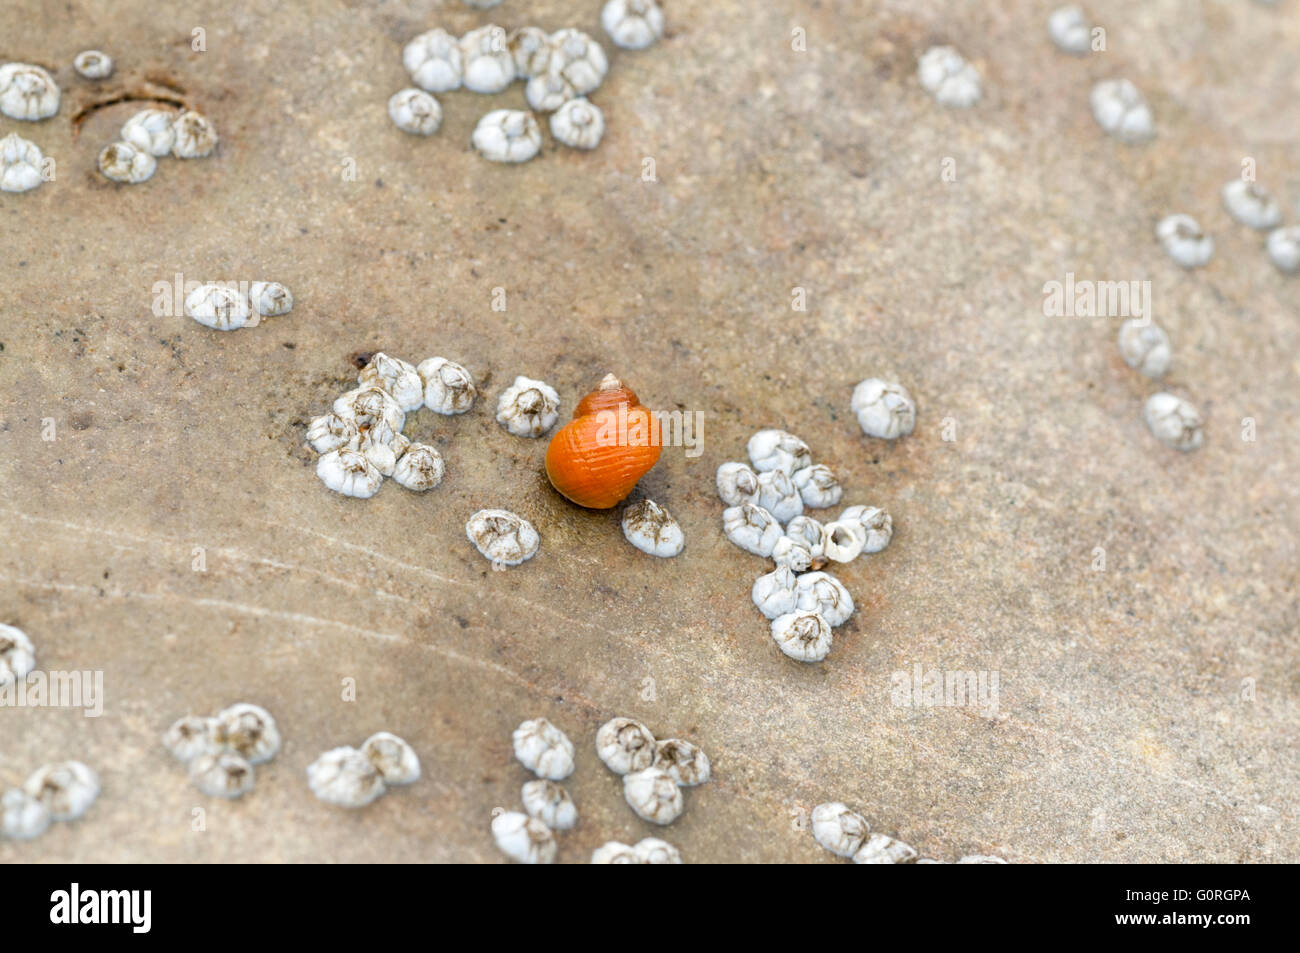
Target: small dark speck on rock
[[379, 183], [289, 345]]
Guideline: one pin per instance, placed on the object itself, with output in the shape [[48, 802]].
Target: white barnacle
[[505, 538], [844, 540], [877, 522], [1174, 421], [822, 593], [1251, 204], [945, 75], [804, 636], [1184, 242], [1121, 109], [578, 124], [778, 450], [350, 472], [22, 817], [979, 859], [614, 852], [807, 534], [374, 410], [579, 59], [123, 162], [17, 655], [191, 736], [507, 135], [381, 456], [686, 762], [249, 731], [550, 804], [543, 749], [651, 528], [523, 839], [434, 61], [395, 376], [394, 759], [419, 468], [448, 387], [1070, 30], [217, 306], [528, 408], [838, 829], [752, 528], [818, 486], [196, 137], [652, 850], [1144, 345], [93, 64], [625, 745], [547, 92], [27, 92], [488, 65], [415, 111], [654, 795], [793, 553], [737, 484], [880, 849], [774, 592], [777, 495], [270, 299], [531, 48], [152, 130], [1284, 247], [884, 409], [66, 788], [20, 164], [633, 24], [331, 431], [346, 777], [222, 774]]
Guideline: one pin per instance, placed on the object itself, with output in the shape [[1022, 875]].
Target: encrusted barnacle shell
[[398, 378], [66, 788], [1145, 347], [884, 409], [578, 124], [151, 130], [543, 749], [777, 495], [487, 64], [632, 24], [877, 522], [804, 636], [531, 48], [346, 777], [817, 486], [550, 804], [808, 532], [1174, 421], [613, 852], [625, 745], [778, 450], [654, 795], [505, 538], [524, 839], [686, 762], [21, 164], [191, 736], [945, 75], [1121, 109], [579, 59], [774, 593], [652, 850], [22, 817], [415, 111], [737, 484], [123, 162], [844, 540], [822, 593], [249, 731], [448, 387], [349, 471], [27, 92], [880, 849], [196, 137], [752, 528], [220, 307], [270, 299], [17, 654], [222, 774], [528, 408], [838, 829], [394, 759], [651, 528], [434, 61], [376, 413], [419, 468], [508, 135]]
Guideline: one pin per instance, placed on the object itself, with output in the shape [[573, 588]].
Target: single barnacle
[[1144, 345], [654, 795], [547, 92], [579, 59], [502, 537], [434, 61], [613, 852], [844, 540], [22, 817], [123, 162], [393, 758], [152, 130], [396, 377], [488, 65], [528, 408], [381, 456], [1184, 242], [93, 64], [737, 484], [1251, 204], [543, 749], [550, 804], [883, 409], [20, 164], [249, 731], [376, 412], [777, 495], [415, 111], [979, 859], [1122, 111], [1070, 29], [1174, 421], [946, 76], [838, 829], [507, 135], [346, 777], [686, 762], [191, 736], [652, 850], [196, 137], [1284, 247], [67, 789], [817, 486], [578, 124], [804, 636], [270, 299], [774, 593], [880, 849], [419, 468], [752, 528], [806, 533], [17, 655], [448, 387], [778, 450], [220, 307], [793, 553], [531, 48], [823, 593], [350, 472], [330, 431], [222, 774], [524, 839], [651, 528], [632, 24], [27, 92], [877, 522], [625, 745]]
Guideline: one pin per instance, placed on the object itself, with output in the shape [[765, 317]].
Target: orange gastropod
[[612, 441]]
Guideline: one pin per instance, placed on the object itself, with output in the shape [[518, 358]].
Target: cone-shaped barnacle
[[93, 64], [578, 124], [489, 66], [151, 130], [123, 162], [632, 24], [434, 61], [579, 59], [27, 92], [612, 441], [507, 135], [20, 164], [531, 48], [195, 136]]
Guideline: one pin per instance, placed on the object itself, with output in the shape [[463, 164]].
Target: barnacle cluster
[[151, 134], [353, 777], [529, 837], [220, 751], [654, 771], [62, 791], [846, 833]]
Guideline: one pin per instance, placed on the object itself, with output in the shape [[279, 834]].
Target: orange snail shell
[[612, 441]]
